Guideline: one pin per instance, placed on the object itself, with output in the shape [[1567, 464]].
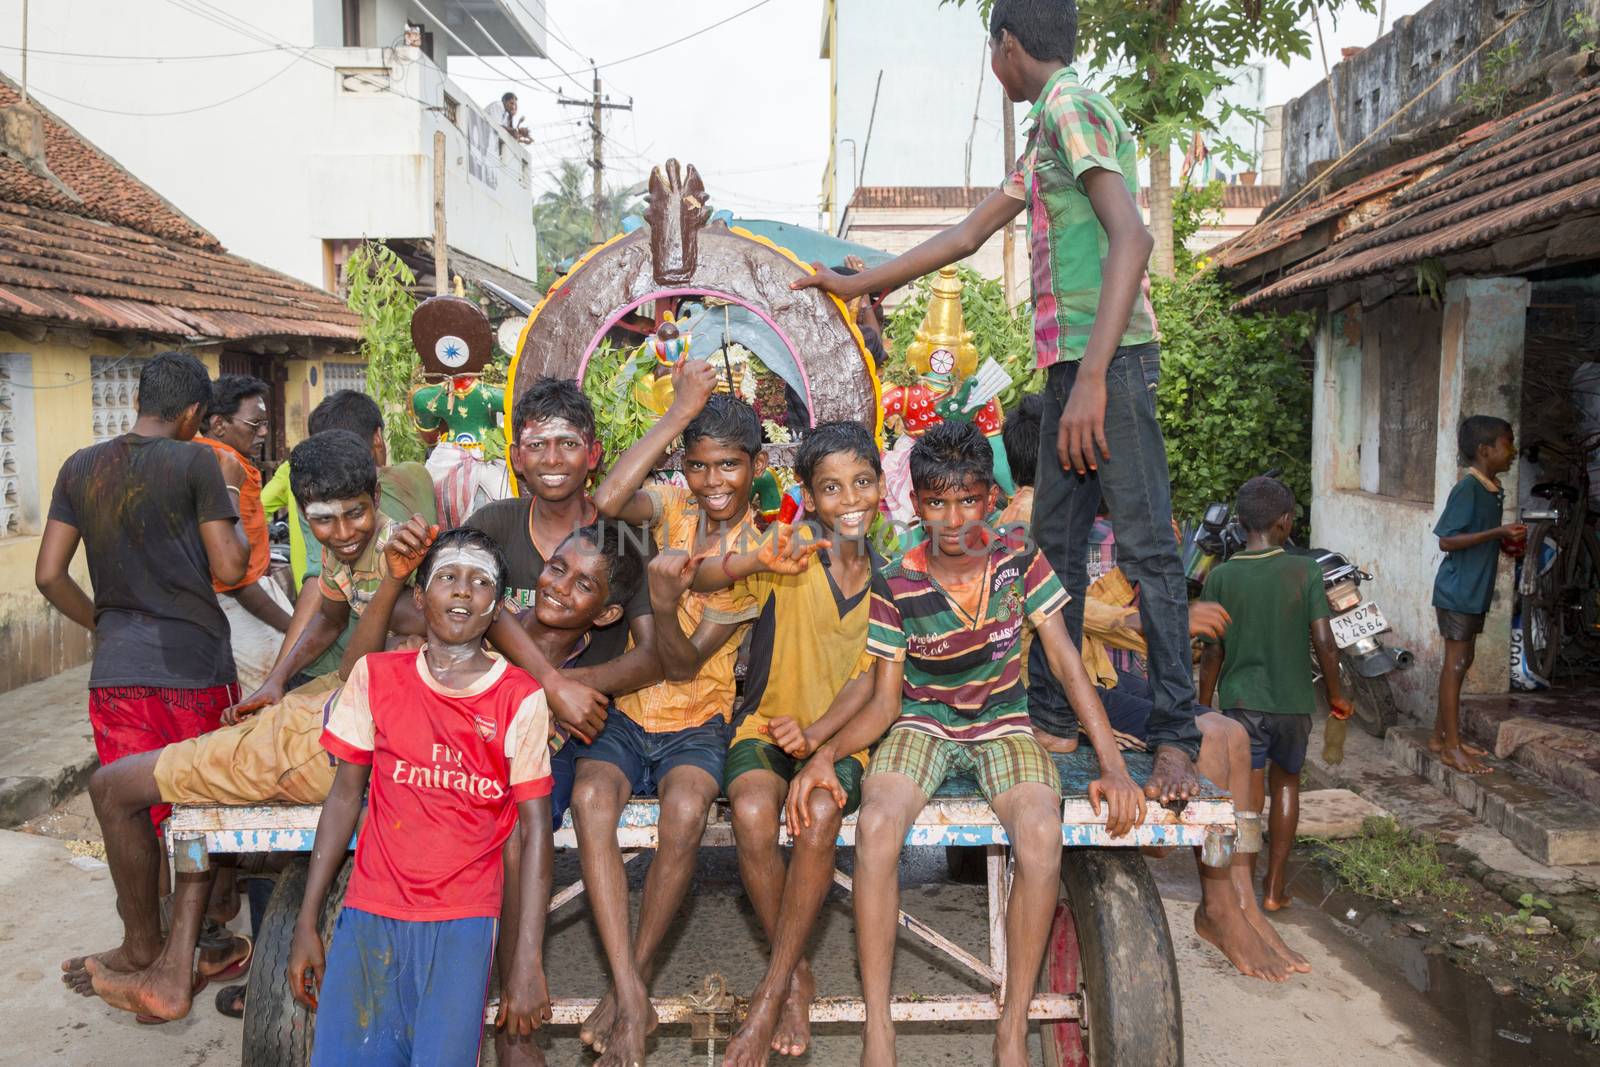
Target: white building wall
[[296, 158], [1480, 373]]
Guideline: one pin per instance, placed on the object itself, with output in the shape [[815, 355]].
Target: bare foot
[[518, 1051], [877, 1044], [1173, 777], [794, 1028], [1051, 743], [1227, 929], [1266, 931], [1011, 1045], [1436, 745], [225, 965], [751, 1045], [76, 978], [625, 1043], [1275, 898], [1460, 759], [595, 1028], [142, 993]]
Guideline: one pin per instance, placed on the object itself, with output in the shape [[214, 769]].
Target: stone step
[[1545, 822], [1548, 733]]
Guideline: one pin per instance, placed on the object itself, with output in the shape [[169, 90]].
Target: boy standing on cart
[[455, 745], [1095, 333], [946, 629]]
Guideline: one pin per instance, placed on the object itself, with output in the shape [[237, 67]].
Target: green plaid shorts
[[754, 754], [997, 764]]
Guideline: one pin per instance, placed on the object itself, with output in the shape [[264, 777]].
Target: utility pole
[[1008, 240], [597, 106], [441, 259]]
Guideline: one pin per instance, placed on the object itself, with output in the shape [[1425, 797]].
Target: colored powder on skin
[[470, 557], [548, 430], [328, 510]]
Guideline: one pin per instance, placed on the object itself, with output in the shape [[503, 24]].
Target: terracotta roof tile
[[1523, 172], [126, 259]]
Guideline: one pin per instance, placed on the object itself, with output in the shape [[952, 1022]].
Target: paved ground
[[1374, 1018]]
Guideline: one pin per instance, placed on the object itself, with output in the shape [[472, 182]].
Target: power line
[[149, 59], [167, 114], [685, 37]]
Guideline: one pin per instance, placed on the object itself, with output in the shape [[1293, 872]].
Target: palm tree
[[564, 216]]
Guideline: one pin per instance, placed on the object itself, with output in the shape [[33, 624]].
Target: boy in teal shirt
[[1095, 333], [1277, 606], [1469, 534]]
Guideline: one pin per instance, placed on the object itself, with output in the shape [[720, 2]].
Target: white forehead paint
[[548, 430], [468, 556], [328, 510]]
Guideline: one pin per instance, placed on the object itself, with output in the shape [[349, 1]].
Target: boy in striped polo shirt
[[946, 629]]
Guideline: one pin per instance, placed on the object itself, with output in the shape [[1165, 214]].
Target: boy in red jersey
[[456, 747]]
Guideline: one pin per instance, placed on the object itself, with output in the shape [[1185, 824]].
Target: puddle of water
[[1500, 1031]]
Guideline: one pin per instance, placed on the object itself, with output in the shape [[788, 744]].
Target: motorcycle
[[1358, 624]]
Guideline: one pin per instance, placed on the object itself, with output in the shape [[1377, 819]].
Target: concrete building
[[1461, 279], [97, 273], [294, 128]]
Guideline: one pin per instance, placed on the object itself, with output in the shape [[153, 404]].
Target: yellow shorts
[[274, 756]]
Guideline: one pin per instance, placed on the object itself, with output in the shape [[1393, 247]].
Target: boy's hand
[[670, 574], [787, 553], [1208, 619], [404, 552], [787, 735], [525, 1006], [1081, 439], [816, 774], [846, 287], [268, 694], [580, 709], [1340, 707], [693, 382], [307, 963], [1516, 531], [1124, 801]]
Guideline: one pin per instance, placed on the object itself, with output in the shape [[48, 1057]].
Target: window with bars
[[19, 457], [336, 376]]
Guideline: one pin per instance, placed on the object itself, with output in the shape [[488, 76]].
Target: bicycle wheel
[[1539, 599]]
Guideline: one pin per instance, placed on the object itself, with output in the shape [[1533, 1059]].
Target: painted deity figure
[[454, 340]]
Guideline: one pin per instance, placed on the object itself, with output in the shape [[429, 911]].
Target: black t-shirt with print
[[507, 522], [138, 503]]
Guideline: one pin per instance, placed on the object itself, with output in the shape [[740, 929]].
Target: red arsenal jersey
[[448, 769]]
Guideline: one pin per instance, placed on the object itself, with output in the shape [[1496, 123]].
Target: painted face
[[720, 475], [462, 595], [344, 527], [844, 493], [955, 515], [573, 586], [452, 351], [246, 428], [554, 458]]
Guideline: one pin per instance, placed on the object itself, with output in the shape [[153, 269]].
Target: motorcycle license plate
[[1352, 626]]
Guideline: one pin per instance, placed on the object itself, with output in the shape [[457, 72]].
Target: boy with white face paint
[[455, 744]]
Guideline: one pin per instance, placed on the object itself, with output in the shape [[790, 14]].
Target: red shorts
[[128, 720]]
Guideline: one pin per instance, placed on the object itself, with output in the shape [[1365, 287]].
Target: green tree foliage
[[379, 283], [998, 331], [608, 382], [564, 217], [1235, 393]]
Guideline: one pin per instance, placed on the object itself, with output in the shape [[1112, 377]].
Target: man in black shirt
[[158, 528]]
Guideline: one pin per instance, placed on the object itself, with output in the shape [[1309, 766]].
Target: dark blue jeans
[[1138, 493]]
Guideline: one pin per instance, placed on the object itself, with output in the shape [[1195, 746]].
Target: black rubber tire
[[1375, 706], [967, 864], [1539, 608], [277, 1030], [1129, 974]]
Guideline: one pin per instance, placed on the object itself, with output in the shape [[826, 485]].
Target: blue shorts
[[1283, 739], [563, 769], [397, 993], [645, 758]]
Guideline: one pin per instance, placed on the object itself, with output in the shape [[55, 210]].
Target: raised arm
[[619, 496], [942, 249], [52, 576]]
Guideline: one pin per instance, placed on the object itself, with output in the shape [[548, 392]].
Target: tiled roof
[[970, 196], [1516, 175], [126, 259]]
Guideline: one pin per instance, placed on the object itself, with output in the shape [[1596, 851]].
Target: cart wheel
[[277, 1030], [1062, 1040], [1111, 941]]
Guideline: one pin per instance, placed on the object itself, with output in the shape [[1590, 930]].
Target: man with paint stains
[[455, 745]]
